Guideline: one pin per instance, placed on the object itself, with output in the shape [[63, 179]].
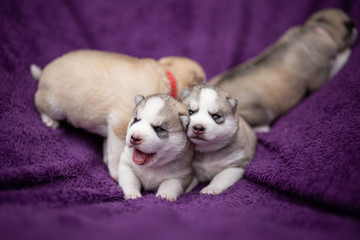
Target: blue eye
[[191, 112], [215, 116], [158, 129]]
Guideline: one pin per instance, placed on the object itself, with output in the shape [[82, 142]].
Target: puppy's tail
[[35, 71], [192, 185]]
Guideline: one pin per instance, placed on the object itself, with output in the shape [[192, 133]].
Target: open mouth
[[140, 157]]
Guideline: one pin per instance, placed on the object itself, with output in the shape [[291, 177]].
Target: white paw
[[132, 196], [211, 190], [49, 121], [167, 197], [262, 129]]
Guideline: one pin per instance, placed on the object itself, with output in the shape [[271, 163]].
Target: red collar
[[173, 90]]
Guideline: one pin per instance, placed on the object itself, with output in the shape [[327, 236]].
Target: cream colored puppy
[[158, 154], [301, 61], [94, 90], [224, 142]]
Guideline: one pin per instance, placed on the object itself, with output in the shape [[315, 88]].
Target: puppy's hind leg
[[256, 115], [105, 157], [223, 180], [49, 121], [44, 107]]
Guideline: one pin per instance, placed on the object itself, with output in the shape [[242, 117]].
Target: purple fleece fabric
[[304, 182]]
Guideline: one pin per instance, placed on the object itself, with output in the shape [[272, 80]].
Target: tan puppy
[[301, 61], [94, 90]]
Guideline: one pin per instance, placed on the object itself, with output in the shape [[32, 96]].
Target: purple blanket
[[304, 182]]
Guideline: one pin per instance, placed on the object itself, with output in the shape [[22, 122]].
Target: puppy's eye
[[191, 112], [215, 116], [158, 129]]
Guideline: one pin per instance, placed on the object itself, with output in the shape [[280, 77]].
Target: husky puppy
[[300, 62], [94, 90], [158, 154], [224, 142]]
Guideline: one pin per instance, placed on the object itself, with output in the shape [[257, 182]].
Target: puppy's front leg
[[129, 182], [170, 189], [223, 180], [115, 147], [105, 148]]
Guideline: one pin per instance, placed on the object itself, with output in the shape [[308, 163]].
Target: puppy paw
[[167, 197], [128, 196], [49, 121], [262, 129], [211, 190]]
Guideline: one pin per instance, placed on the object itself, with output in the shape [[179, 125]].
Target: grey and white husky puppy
[[157, 155], [224, 142]]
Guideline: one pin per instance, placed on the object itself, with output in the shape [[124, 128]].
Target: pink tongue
[[139, 157]]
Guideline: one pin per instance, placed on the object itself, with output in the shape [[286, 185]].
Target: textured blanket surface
[[304, 182]]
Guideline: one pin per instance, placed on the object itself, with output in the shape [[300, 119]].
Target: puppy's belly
[[95, 124], [100, 129]]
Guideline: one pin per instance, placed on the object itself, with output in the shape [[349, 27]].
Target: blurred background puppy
[[300, 62]]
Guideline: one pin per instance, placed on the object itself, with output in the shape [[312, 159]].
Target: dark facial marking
[[191, 112], [134, 121]]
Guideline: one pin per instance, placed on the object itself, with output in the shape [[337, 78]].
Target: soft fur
[[94, 90], [224, 142], [158, 154], [301, 61]]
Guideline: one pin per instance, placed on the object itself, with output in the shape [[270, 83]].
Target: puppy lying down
[[94, 90], [224, 142], [158, 154], [301, 61]]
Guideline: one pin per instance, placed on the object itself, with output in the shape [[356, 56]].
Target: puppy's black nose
[[350, 25], [198, 129], [135, 139]]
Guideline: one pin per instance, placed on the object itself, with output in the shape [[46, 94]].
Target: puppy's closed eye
[[134, 121]]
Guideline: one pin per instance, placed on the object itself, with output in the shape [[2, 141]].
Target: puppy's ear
[[185, 120], [233, 102], [184, 93], [138, 99], [197, 79]]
